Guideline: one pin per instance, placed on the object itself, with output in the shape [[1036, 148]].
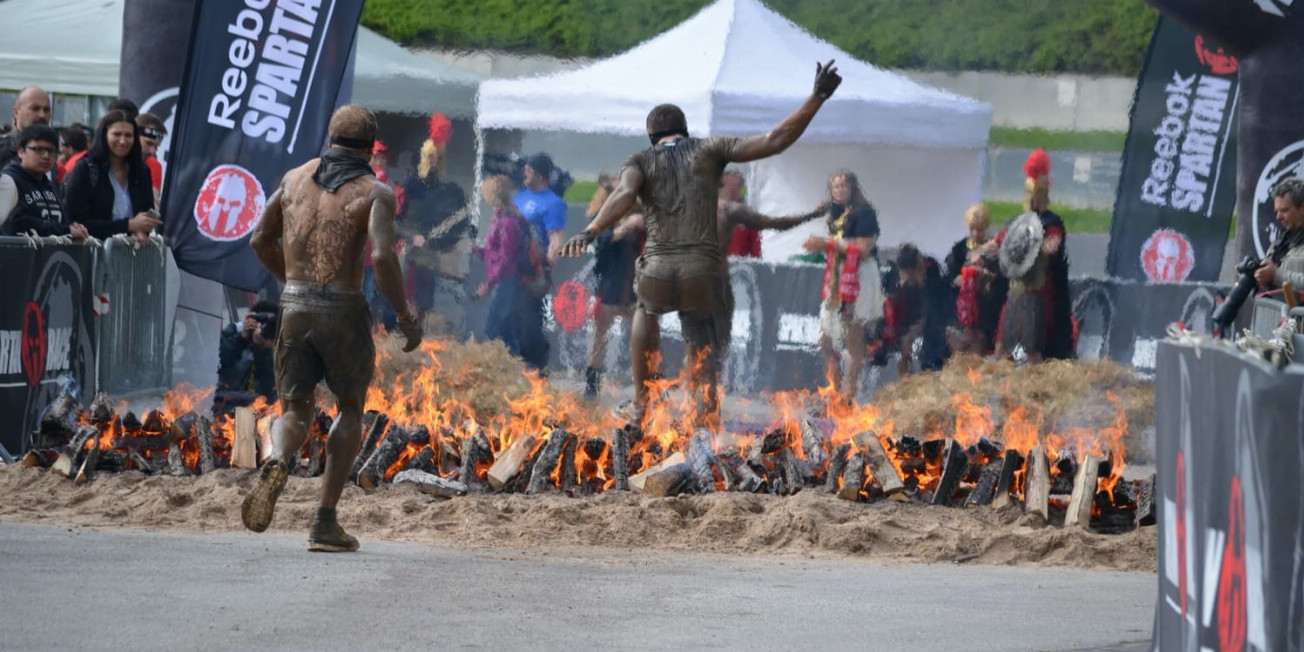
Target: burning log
[[475, 451], [853, 478], [954, 463], [813, 443], [429, 483], [878, 463], [264, 430], [373, 427], [204, 441], [1145, 503], [1064, 471], [130, 422], [569, 473], [836, 464], [388, 452], [449, 453], [620, 442], [39, 459], [985, 490], [521, 482], [139, 462], [87, 470], [111, 461], [176, 463], [180, 429], [794, 475], [1036, 482], [701, 459], [547, 461], [65, 464], [637, 481], [244, 455], [669, 480], [59, 423], [745, 479], [423, 461], [102, 409], [155, 422], [1085, 483], [1012, 463], [510, 462]]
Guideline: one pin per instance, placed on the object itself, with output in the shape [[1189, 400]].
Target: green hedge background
[[1035, 36]]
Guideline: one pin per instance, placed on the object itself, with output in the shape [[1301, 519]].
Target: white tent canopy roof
[[74, 46], [736, 68]]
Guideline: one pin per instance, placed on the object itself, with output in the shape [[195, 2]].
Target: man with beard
[[311, 236], [683, 268]]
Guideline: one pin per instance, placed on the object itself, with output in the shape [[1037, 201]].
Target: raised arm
[[389, 278], [618, 204], [266, 240], [787, 132]]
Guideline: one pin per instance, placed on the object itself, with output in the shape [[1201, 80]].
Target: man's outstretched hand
[[411, 329], [826, 80], [577, 245]]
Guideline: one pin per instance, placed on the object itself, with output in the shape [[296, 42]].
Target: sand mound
[[808, 523]]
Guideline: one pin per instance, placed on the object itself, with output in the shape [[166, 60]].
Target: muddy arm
[[266, 240]]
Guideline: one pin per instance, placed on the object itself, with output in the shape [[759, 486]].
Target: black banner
[[47, 338], [155, 34], [262, 78], [1177, 188], [1230, 446]]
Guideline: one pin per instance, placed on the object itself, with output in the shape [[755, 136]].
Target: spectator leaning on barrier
[[109, 189], [31, 108], [246, 365], [1285, 260], [151, 131], [72, 147], [29, 201]]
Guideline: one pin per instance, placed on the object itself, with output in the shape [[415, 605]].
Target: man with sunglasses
[[29, 201]]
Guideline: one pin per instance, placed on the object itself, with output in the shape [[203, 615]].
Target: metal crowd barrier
[[134, 335]]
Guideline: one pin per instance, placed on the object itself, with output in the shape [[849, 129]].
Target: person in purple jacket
[[501, 254]]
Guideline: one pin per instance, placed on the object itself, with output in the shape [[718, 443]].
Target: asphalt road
[[136, 590]]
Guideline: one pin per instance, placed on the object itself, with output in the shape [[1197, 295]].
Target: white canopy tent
[[74, 46], [737, 68]]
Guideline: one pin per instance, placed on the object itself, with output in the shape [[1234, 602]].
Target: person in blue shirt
[[542, 208]]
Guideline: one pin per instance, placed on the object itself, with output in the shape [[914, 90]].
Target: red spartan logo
[[568, 307], [34, 344], [1232, 614], [1167, 256], [230, 203], [1217, 61]]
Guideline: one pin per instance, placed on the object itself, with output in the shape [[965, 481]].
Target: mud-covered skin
[[681, 181]]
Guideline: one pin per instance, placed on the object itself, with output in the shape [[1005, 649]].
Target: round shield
[[1021, 245]]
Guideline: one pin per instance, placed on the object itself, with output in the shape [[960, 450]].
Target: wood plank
[[814, 445], [701, 459], [204, 440], [1037, 484], [837, 464], [954, 464], [431, 484], [853, 478], [510, 461], [668, 481], [244, 452], [1085, 485], [1012, 463], [636, 482], [878, 463]]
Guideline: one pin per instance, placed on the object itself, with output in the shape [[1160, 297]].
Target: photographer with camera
[[1284, 262], [246, 367]]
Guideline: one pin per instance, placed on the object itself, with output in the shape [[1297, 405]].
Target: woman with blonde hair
[[501, 252], [979, 288], [852, 294]]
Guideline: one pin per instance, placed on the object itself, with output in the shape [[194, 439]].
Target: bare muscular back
[[325, 233]]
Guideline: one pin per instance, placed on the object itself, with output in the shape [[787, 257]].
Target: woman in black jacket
[[109, 190]]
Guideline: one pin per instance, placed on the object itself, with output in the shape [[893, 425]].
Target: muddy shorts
[[695, 286], [324, 334]]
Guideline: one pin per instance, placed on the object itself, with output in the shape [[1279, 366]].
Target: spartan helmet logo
[[229, 204], [1167, 256]]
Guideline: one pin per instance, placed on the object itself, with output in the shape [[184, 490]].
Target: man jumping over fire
[[311, 236], [683, 267]]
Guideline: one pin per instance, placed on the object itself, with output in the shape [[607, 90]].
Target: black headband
[[150, 132], [656, 137], [352, 143]]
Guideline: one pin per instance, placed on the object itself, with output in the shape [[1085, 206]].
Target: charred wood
[[429, 483], [1037, 483], [475, 452], [853, 478], [1145, 503], [374, 425], [66, 462], [131, 422], [745, 479], [509, 463], [836, 465], [570, 479], [877, 462], [87, 471], [386, 453], [139, 462], [521, 483], [1011, 464], [620, 444], [155, 422], [701, 459], [984, 491], [111, 461], [102, 408], [423, 461], [813, 443], [773, 441], [204, 442], [954, 463], [176, 463], [181, 429], [547, 461], [59, 423], [794, 475], [933, 449], [39, 458]]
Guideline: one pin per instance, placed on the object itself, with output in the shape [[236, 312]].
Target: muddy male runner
[[311, 236], [683, 267]]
